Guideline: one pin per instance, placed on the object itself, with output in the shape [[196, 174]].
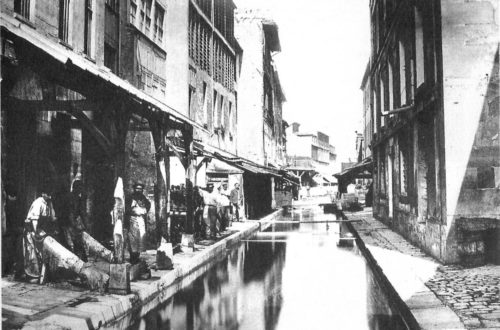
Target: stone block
[[187, 243], [119, 278], [164, 256]]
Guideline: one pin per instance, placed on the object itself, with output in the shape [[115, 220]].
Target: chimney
[[295, 127]]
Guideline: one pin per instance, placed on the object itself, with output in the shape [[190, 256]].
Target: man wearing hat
[[136, 210], [225, 206], [210, 210]]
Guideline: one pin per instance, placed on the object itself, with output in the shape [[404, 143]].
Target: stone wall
[[472, 147]]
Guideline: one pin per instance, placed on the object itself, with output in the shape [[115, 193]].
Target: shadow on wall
[[477, 215]]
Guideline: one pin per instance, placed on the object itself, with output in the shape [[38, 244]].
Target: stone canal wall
[[97, 311]]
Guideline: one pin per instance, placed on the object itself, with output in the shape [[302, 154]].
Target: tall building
[[432, 90], [260, 130], [79, 78], [261, 137], [310, 156]]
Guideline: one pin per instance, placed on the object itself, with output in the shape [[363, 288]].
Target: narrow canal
[[292, 276]]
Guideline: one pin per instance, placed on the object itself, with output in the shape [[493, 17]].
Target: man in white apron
[[137, 209]]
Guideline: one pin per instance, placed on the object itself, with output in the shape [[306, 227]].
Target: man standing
[[209, 211], [40, 216], [225, 206], [137, 208], [235, 199]]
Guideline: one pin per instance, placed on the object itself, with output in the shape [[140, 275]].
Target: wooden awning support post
[[159, 127], [187, 241], [119, 128]]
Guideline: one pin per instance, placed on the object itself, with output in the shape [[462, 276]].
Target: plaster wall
[[250, 126], [176, 45]]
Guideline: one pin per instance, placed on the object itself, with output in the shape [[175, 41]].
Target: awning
[[219, 167], [242, 163], [76, 64], [318, 179], [362, 169]]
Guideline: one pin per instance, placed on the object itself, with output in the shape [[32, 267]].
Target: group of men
[[41, 221], [67, 227], [219, 208]]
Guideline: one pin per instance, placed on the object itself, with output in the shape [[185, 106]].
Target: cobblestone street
[[472, 293]]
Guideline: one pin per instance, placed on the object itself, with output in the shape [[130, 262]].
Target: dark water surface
[[289, 277]]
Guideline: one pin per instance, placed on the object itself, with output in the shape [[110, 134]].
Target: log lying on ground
[[95, 248], [94, 278]]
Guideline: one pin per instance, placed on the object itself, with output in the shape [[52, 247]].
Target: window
[[64, 20], [390, 85], [402, 73], [220, 111], [145, 16], [148, 15], [133, 11], [205, 105], [214, 109], [110, 57], [382, 171], [158, 29], [374, 111], [192, 101], [419, 48], [382, 102], [88, 28], [230, 118], [22, 7], [113, 5], [268, 102], [403, 170]]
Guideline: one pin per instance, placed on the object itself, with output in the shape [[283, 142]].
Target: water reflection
[[301, 281]]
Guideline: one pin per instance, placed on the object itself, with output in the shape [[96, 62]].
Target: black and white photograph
[[250, 164]]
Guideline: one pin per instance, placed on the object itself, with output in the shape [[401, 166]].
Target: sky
[[325, 46]]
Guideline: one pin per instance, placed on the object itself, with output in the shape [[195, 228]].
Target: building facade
[[431, 109], [312, 153], [84, 78], [260, 124], [260, 121]]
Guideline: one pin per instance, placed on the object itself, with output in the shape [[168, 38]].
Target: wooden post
[[118, 217], [164, 253], [159, 127], [187, 241], [119, 282]]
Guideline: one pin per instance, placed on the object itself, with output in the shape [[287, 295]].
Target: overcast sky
[[325, 47]]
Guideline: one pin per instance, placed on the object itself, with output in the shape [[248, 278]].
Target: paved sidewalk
[[63, 306], [440, 297]]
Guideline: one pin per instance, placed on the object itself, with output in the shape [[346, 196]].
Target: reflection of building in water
[[272, 286], [250, 273]]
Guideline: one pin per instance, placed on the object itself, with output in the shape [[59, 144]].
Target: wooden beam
[[101, 139], [181, 157], [48, 105], [204, 160]]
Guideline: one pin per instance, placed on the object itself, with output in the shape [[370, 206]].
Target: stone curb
[[425, 308], [146, 295]]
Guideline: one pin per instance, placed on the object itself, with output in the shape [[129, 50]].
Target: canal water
[[292, 276]]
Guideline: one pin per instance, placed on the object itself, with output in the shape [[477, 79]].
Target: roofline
[[365, 76]]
